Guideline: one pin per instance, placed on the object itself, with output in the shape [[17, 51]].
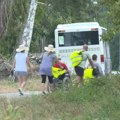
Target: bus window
[[78, 38], [61, 39]]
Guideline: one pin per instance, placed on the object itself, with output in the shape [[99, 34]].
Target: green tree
[[111, 18], [17, 14], [57, 12]]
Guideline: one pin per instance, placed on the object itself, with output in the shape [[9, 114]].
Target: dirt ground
[[6, 88], [7, 85]]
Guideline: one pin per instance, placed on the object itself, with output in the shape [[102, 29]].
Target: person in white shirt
[[97, 65], [20, 63]]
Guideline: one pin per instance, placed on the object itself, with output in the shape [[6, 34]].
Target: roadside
[[9, 89], [17, 95], [7, 85], [98, 100]]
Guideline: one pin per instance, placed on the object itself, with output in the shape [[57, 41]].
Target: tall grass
[[98, 100]]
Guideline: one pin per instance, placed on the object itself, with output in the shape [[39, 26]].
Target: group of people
[[50, 63], [94, 68]]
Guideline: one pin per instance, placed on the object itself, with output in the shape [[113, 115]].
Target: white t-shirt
[[20, 59], [98, 67], [85, 56]]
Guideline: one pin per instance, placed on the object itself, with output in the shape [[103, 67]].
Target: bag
[[76, 58], [96, 72], [88, 73]]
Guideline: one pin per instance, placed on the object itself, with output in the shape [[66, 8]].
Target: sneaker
[[20, 91], [44, 93]]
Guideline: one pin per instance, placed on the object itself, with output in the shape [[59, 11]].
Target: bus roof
[[78, 25]]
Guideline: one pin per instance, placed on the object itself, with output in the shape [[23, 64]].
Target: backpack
[[96, 72], [76, 58]]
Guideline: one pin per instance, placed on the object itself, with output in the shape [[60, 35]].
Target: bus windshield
[[78, 38]]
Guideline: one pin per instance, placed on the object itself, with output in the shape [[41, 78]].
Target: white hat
[[22, 48], [50, 48]]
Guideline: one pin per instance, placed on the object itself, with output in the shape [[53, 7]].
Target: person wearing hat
[[20, 63], [45, 70]]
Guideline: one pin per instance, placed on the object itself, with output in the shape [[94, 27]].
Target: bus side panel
[[56, 38], [102, 53]]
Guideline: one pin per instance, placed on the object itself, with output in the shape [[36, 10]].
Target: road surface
[[17, 95]]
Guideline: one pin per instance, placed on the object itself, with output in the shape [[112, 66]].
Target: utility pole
[[119, 50], [28, 30]]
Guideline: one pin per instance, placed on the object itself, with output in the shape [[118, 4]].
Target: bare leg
[[51, 84], [80, 80], [20, 80], [24, 79], [48, 87], [43, 87], [52, 87], [20, 85], [65, 83], [43, 83]]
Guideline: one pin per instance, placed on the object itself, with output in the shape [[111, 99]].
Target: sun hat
[[22, 48], [50, 48]]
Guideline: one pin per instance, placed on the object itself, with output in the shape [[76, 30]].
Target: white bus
[[71, 37]]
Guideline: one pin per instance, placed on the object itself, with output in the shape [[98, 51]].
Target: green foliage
[[98, 100], [9, 111], [111, 17], [55, 12], [48, 17], [111, 20], [115, 43], [17, 18]]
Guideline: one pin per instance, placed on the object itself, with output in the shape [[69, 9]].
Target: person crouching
[[60, 72]]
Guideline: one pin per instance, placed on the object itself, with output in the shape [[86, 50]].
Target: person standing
[[20, 63], [48, 59], [80, 68]]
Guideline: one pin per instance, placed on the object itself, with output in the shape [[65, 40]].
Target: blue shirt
[[20, 60], [46, 64]]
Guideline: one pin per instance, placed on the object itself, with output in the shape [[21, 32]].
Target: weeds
[[97, 100]]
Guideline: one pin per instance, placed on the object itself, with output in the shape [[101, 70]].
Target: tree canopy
[[48, 15]]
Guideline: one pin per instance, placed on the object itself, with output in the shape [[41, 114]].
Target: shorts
[[20, 73], [79, 71]]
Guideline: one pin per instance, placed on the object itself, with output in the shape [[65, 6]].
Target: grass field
[[98, 100]]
